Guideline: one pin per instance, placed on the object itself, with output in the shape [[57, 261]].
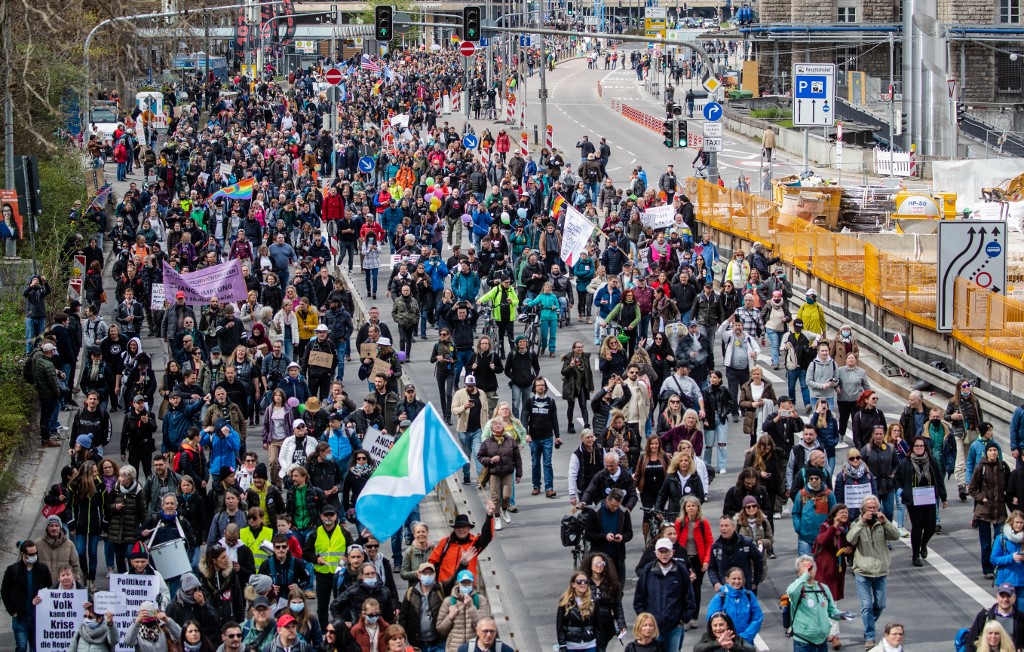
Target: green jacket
[[871, 556], [44, 375], [614, 314], [811, 609], [406, 313], [500, 309]]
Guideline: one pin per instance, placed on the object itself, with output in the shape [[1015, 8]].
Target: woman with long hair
[[721, 636], [247, 374], [994, 638], [688, 430], [768, 462], [650, 474], [308, 622], [109, 472], [752, 523], [88, 501], [681, 482], [192, 639], [172, 378], [964, 415], [748, 483], [606, 593], [833, 555], [575, 619], [866, 417], [755, 396], [277, 426], [920, 470], [220, 583], [694, 537], [612, 359], [359, 473], [671, 416], [827, 428]]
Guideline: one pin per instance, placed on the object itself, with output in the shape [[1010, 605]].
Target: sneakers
[[505, 516], [497, 525], [721, 471], [962, 491], [904, 533]]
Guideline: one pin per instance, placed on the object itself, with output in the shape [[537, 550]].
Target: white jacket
[[725, 331], [278, 324], [284, 460]]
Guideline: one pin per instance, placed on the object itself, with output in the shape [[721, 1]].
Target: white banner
[[659, 217], [136, 589], [58, 617], [378, 444], [401, 120], [575, 234]]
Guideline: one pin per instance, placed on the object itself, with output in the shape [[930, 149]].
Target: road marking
[[554, 390], [958, 579]]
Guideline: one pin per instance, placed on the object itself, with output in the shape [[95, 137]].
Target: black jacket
[[137, 436], [602, 484], [16, 592], [522, 368], [740, 552], [544, 423], [986, 615], [668, 597], [670, 497]]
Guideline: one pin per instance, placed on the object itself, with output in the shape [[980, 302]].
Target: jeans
[[645, 324], [424, 318], [888, 502], [774, 338], [548, 334], [901, 510], [519, 396], [673, 639], [986, 534], [592, 189], [346, 248], [794, 375], [341, 352], [803, 547], [542, 448], [736, 378], [461, 360], [800, 646], [715, 439], [122, 171], [47, 408], [108, 554], [470, 446], [371, 277], [871, 593], [88, 565], [24, 633], [33, 329]]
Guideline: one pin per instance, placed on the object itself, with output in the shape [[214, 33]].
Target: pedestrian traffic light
[[670, 133], [677, 110], [682, 133], [471, 23], [569, 8], [961, 112], [383, 22]]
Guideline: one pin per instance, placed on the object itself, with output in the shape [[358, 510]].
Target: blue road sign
[[712, 111], [811, 87], [993, 249], [469, 141], [524, 41], [366, 164], [484, 41]]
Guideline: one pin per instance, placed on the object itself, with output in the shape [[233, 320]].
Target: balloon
[[293, 402], [435, 204], [430, 189], [505, 217], [521, 212], [430, 181], [467, 218], [428, 197], [401, 356], [438, 193], [302, 409]]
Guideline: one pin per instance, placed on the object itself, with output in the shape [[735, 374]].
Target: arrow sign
[[712, 111], [366, 164], [469, 141]]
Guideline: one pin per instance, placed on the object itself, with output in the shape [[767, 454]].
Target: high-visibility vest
[[331, 547], [253, 542]]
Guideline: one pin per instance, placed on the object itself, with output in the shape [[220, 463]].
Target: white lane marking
[[958, 579], [554, 390]]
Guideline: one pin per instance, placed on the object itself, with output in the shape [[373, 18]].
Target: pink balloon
[[438, 193], [401, 356], [293, 402]]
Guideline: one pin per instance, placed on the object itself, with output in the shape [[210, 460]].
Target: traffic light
[[677, 110], [569, 8], [384, 22], [682, 133], [471, 23], [899, 123], [670, 133], [961, 112]]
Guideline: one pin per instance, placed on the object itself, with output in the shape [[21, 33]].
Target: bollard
[[549, 137], [536, 136]]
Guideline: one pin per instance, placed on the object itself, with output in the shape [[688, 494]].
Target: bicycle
[[700, 171], [657, 520], [573, 533], [490, 327], [608, 328], [531, 319]]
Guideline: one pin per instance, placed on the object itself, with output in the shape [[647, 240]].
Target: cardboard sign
[[58, 617], [225, 169], [321, 359], [135, 589], [108, 601], [380, 367], [378, 444], [367, 350], [77, 277]]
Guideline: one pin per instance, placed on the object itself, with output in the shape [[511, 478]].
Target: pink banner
[[223, 281]]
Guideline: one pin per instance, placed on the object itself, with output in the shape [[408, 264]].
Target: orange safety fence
[[989, 323], [636, 115]]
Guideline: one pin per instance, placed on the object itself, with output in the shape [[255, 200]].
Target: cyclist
[[504, 300], [605, 299], [549, 311], [700, 163]]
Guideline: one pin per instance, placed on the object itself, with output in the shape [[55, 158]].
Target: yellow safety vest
[[253, 543], [331, 547]]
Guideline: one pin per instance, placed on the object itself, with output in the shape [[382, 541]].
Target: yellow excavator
[[1009, 190]]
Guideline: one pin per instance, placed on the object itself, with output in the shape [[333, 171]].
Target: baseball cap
[[424, 566], [179, 295], [1006, 589], [470, 381], [298, 422], [465, 576], [285, 620], [663, 543], [49, 347]]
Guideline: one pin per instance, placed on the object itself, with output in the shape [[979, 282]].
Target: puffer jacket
[[125, 522], [511, 459], [742, 607], [459, 626], [60, 550]]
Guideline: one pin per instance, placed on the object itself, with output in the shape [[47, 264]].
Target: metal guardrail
[[1002, 141]]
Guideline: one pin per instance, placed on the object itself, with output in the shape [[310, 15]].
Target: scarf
[[922, 468], [1011, 536], [150, 631], [363, 472], [854, 473], [121, 489]]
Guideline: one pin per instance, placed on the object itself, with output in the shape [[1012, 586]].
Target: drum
[[171, 558]]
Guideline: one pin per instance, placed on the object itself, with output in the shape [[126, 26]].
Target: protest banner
[[223, 281], [658, 217], [77, 278], [321, 359], [380, 367], [136, 589], [108, 601], [378, 444], [157, 296], [575, 234], [398, 259], [367, 350], [58, 617]]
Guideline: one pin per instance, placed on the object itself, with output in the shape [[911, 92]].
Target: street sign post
[[974, 250], [469, 141], [366, 164], [712, 130], [712, 112], [333, 76], [814, 94], [467, 49]]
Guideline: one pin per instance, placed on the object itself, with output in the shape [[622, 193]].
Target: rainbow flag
[[556, 206], [241, 190]]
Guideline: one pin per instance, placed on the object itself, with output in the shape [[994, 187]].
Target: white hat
[[322, 328], [664, 543], [384, 342], [298, 422]]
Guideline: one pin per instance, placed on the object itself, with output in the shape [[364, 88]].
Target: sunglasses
[[233, 635], [372, 546], [853, 457], [579, 582], [966, 386], [376, 615], [674, 402], [750, 507], [494, 631]]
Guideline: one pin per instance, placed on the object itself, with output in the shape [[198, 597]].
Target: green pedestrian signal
[[384, 22], [471, 23]]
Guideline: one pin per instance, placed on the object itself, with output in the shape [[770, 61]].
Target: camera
[[834, 381]]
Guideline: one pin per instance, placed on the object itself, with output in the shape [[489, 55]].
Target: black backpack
[[572, 528]]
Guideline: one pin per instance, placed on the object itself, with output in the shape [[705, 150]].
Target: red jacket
[[503, 144], [375, 229], [363, 639], [702, 533], [334, 207]]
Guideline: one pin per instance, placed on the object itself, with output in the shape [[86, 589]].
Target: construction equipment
[[1008, 190]]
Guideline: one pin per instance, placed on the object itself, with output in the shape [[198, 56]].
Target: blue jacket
[[668, 597], [466, 287], [481, 222], [343, 445], [1007, 570], [223, 450], [392, 217], [976, 453], [1017, 429], [438, 272], [176, 425], [829, 435], [742, 607], [806, 519], [604, 294], [583, 270], [709, 253], [549, 306]]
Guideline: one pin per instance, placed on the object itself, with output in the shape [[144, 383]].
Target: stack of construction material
[[866, 209]]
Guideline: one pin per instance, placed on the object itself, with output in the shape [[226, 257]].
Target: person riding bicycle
[[504, 300], [562, 288]]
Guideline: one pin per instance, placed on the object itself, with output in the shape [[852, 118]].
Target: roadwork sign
[[974, 250]]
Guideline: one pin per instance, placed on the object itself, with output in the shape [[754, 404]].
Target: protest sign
[[658, 217], [321, 359], [380, 367], [398, 259], [157, 297], [367, 350], [108, 601], [225, 169], [135, 589], [58, 617], [10, 216], [575, 234], [378, 444], [77, 277], [223, 281]]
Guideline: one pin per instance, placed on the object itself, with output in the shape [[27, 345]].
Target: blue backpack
[[960, 641]]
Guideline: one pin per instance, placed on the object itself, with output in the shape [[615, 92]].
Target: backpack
[[960, 641], [176, 465], [639, 187], [592, 174], [28, 368], [572, 528]]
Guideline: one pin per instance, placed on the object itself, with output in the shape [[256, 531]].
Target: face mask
[[811, 300], [936, 422], [372, 619], [328, 457], [427, 580], [31, 559], [846, 335], [965, 393], [370, 581], [297, 607], [93, 624], [466, 590]]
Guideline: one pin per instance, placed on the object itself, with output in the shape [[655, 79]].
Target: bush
[[17, 420], [772, 113]]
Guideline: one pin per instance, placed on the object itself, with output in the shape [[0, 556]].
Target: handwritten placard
[[135, 589]]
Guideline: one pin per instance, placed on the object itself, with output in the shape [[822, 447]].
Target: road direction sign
[[366, 164], [466, 48], [712, 129], [712, 144], [974, 250], [524, 40], [469, 141], [333, 76], [814, 94], [484, 41], [712, 111]]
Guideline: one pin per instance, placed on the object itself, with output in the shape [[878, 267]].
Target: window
[[1009, 81], [1009, 11], [846, 14]]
